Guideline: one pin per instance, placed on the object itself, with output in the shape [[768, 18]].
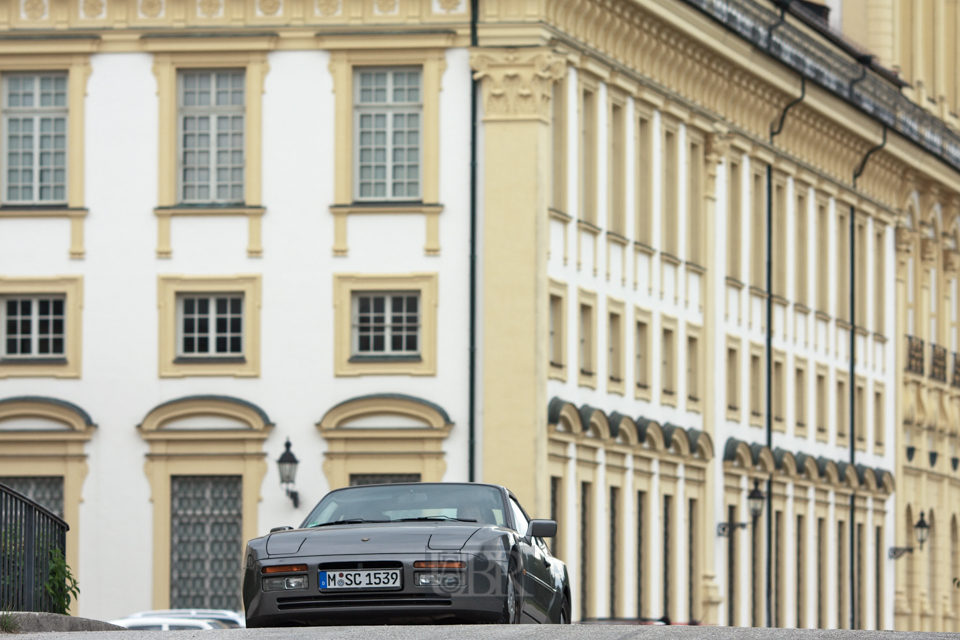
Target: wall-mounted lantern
[[288, 473]]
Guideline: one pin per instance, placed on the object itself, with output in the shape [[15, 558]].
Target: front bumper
[[479, 599]]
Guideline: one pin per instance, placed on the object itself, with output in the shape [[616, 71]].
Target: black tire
[[564, 611], [511, 602]]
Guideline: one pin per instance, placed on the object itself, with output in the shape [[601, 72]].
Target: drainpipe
[[472, 375], [774, 131], [854, 613]]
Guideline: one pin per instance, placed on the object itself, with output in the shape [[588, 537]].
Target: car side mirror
[[542, 529], [275, 529]]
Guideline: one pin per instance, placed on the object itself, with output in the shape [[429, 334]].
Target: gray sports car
[[408, 553]]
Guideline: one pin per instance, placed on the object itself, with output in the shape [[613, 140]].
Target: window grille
[[206, 542], [35, 138], [389, 107], [210, 326], [47, 491], [33, 327], [915, 355], [386, 324], [938, 363], [211, 136]]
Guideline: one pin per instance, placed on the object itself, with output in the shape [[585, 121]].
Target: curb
[[31, 622]]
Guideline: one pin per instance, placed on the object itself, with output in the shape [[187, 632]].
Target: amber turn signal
[[284, 568], [438, 564]]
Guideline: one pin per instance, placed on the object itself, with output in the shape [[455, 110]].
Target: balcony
[[915, 355], [938, 363], [955, 381]]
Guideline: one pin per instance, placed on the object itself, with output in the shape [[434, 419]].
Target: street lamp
[[288, 473], [755, 500], [922, 530]]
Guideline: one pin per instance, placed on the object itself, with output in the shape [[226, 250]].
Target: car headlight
[[285, 584]]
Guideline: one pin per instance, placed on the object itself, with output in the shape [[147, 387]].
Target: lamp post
[[755, 501], [288, 473]]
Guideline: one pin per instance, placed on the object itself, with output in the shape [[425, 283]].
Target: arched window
[[384, 438], [43, 454], [205, 468]]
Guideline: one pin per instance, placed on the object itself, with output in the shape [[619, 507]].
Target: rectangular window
[[758, 229], [778, 394], [668, 552], [617, 170], [732, 568], [843, 578], [842, 414], [694, 226], [47, 491], [211, 137], [643, 355], [210, 326], [693, 369], [800, 215], [823, 266], [615, 338], [586, 540], [386, 324], [779, 570], [588, 156], [556, 331], [880, 281], [34, 112], [860, 424], [33, 327], [644, 179], [780, 238], [641, 554], [733, 379], [801, 573], [734, 223], [823, 571], [389, 107], [878, 421], [878, 576], [843, 267], [800, 400], [669, 356], [821, 404], [559, 140], [861, 276], [756, 387], [670, 214], [586, 340], [556, 514], [613, 552], [693, 553]]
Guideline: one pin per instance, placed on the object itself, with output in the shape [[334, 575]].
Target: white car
[[168, 623], [232, 619]]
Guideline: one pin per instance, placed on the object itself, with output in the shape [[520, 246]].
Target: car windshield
[[391, 503]]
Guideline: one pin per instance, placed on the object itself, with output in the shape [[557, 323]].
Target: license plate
[[360, 579]]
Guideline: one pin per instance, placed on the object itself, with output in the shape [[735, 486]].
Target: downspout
[[472, 376], [774, 131], [853, 381]]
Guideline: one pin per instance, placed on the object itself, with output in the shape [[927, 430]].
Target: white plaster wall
[[120, 384]]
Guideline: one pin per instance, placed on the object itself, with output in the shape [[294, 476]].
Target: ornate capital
[[517, 82], [928, 249], [951, 260], [717, 147], [904, 240]]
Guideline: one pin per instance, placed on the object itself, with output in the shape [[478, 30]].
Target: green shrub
[[61, 585]]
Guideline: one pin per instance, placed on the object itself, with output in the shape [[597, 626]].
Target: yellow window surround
[[344, 286], [71, 287], [57, 451], [616, 346], [213, 451], [587, 338], [166, 65], [558, 370], [77, 66], [169, 286], [432, 62], [384, 449]]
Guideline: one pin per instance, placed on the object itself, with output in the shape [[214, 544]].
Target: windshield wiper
[[347, 521], [422, 518]]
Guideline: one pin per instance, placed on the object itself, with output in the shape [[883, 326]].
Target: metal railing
[[915, 355], [955, 381], [28, 536], [938, 363], [838, 73]]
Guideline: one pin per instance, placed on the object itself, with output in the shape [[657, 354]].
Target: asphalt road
[[496, 632]]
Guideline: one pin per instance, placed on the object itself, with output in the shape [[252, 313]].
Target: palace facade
[[637, 260]]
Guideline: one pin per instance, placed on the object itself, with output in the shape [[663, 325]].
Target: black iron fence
[[956, 370], [30, 537], [843, 74], [938, 363]]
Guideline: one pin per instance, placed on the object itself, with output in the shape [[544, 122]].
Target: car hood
[[374, 538]]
